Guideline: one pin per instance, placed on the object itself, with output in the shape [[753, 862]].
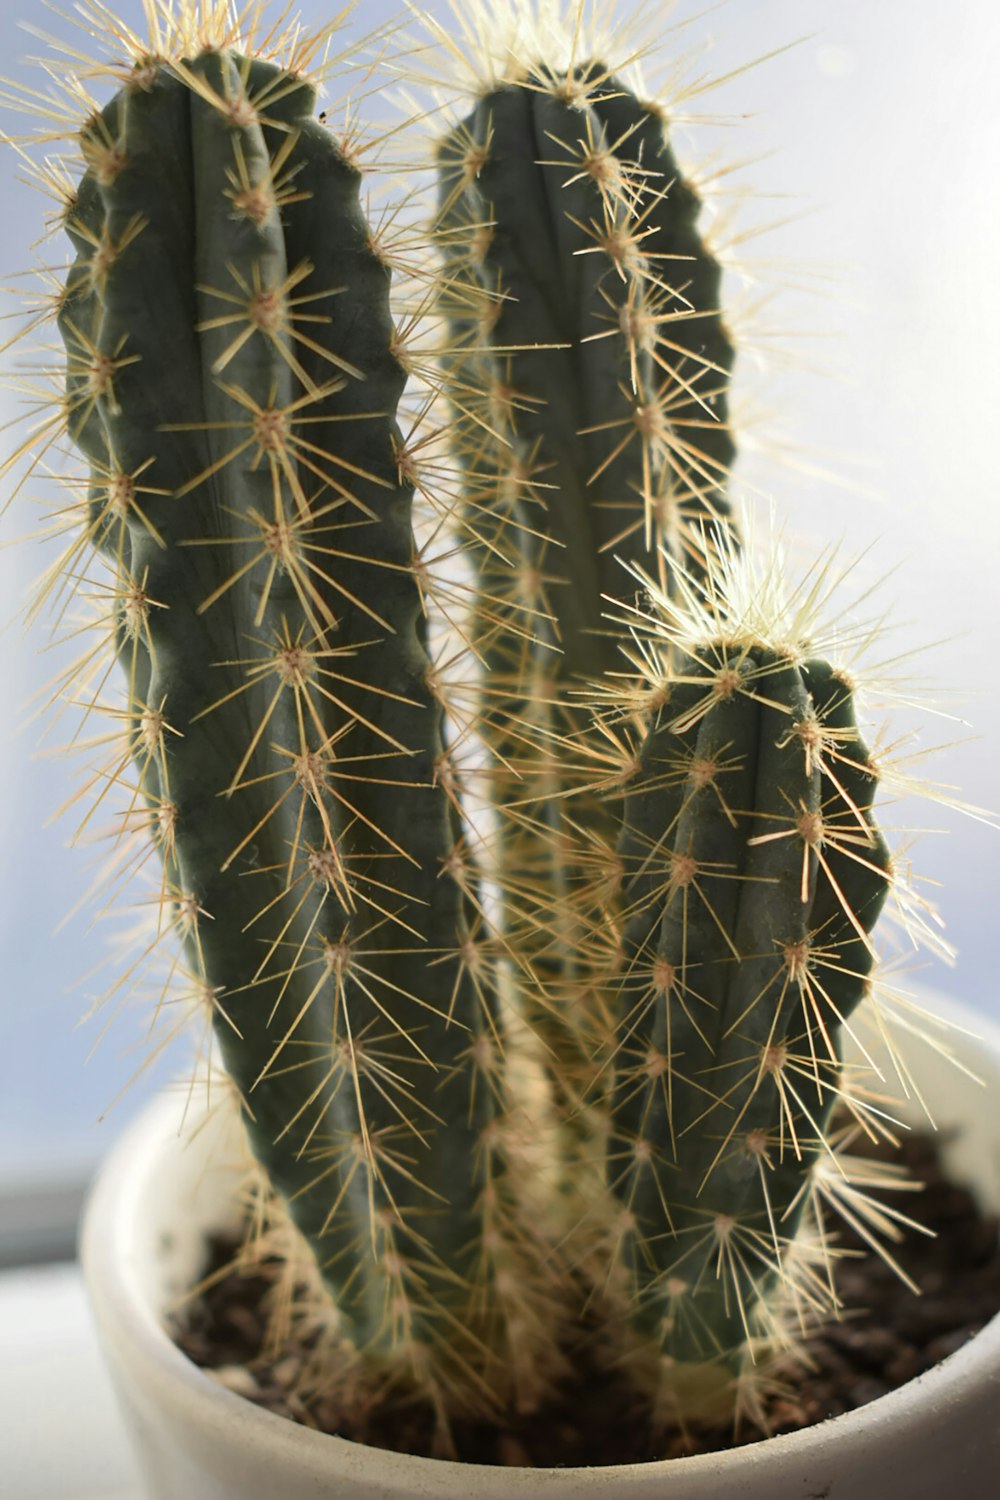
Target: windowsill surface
[[62, 1437]]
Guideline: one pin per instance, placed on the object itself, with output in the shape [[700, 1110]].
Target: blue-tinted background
[[874, 147]]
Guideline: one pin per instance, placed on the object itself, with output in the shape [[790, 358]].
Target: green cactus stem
[[231, 382], [752, 876], [588, 365]]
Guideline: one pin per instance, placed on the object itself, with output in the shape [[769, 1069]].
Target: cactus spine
[[582, 1052]]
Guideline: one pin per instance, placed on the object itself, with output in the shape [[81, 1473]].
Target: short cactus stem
[[753, 875]]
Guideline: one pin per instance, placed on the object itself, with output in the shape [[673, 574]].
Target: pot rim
[[114, 1285]]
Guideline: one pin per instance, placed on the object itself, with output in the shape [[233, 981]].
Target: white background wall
[[879, 139]]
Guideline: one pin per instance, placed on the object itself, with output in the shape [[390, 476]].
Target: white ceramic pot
[[938, 1436]]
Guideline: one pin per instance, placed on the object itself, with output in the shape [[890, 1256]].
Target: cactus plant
[[579, 1048]]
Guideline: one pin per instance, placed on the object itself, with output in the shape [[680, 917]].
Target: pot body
[[165, 1186]]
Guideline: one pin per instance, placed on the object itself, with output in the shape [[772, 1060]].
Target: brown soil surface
[[888, 1337]]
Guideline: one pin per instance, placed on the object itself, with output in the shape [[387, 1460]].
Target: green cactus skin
[[752, 875], [231, 381]]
